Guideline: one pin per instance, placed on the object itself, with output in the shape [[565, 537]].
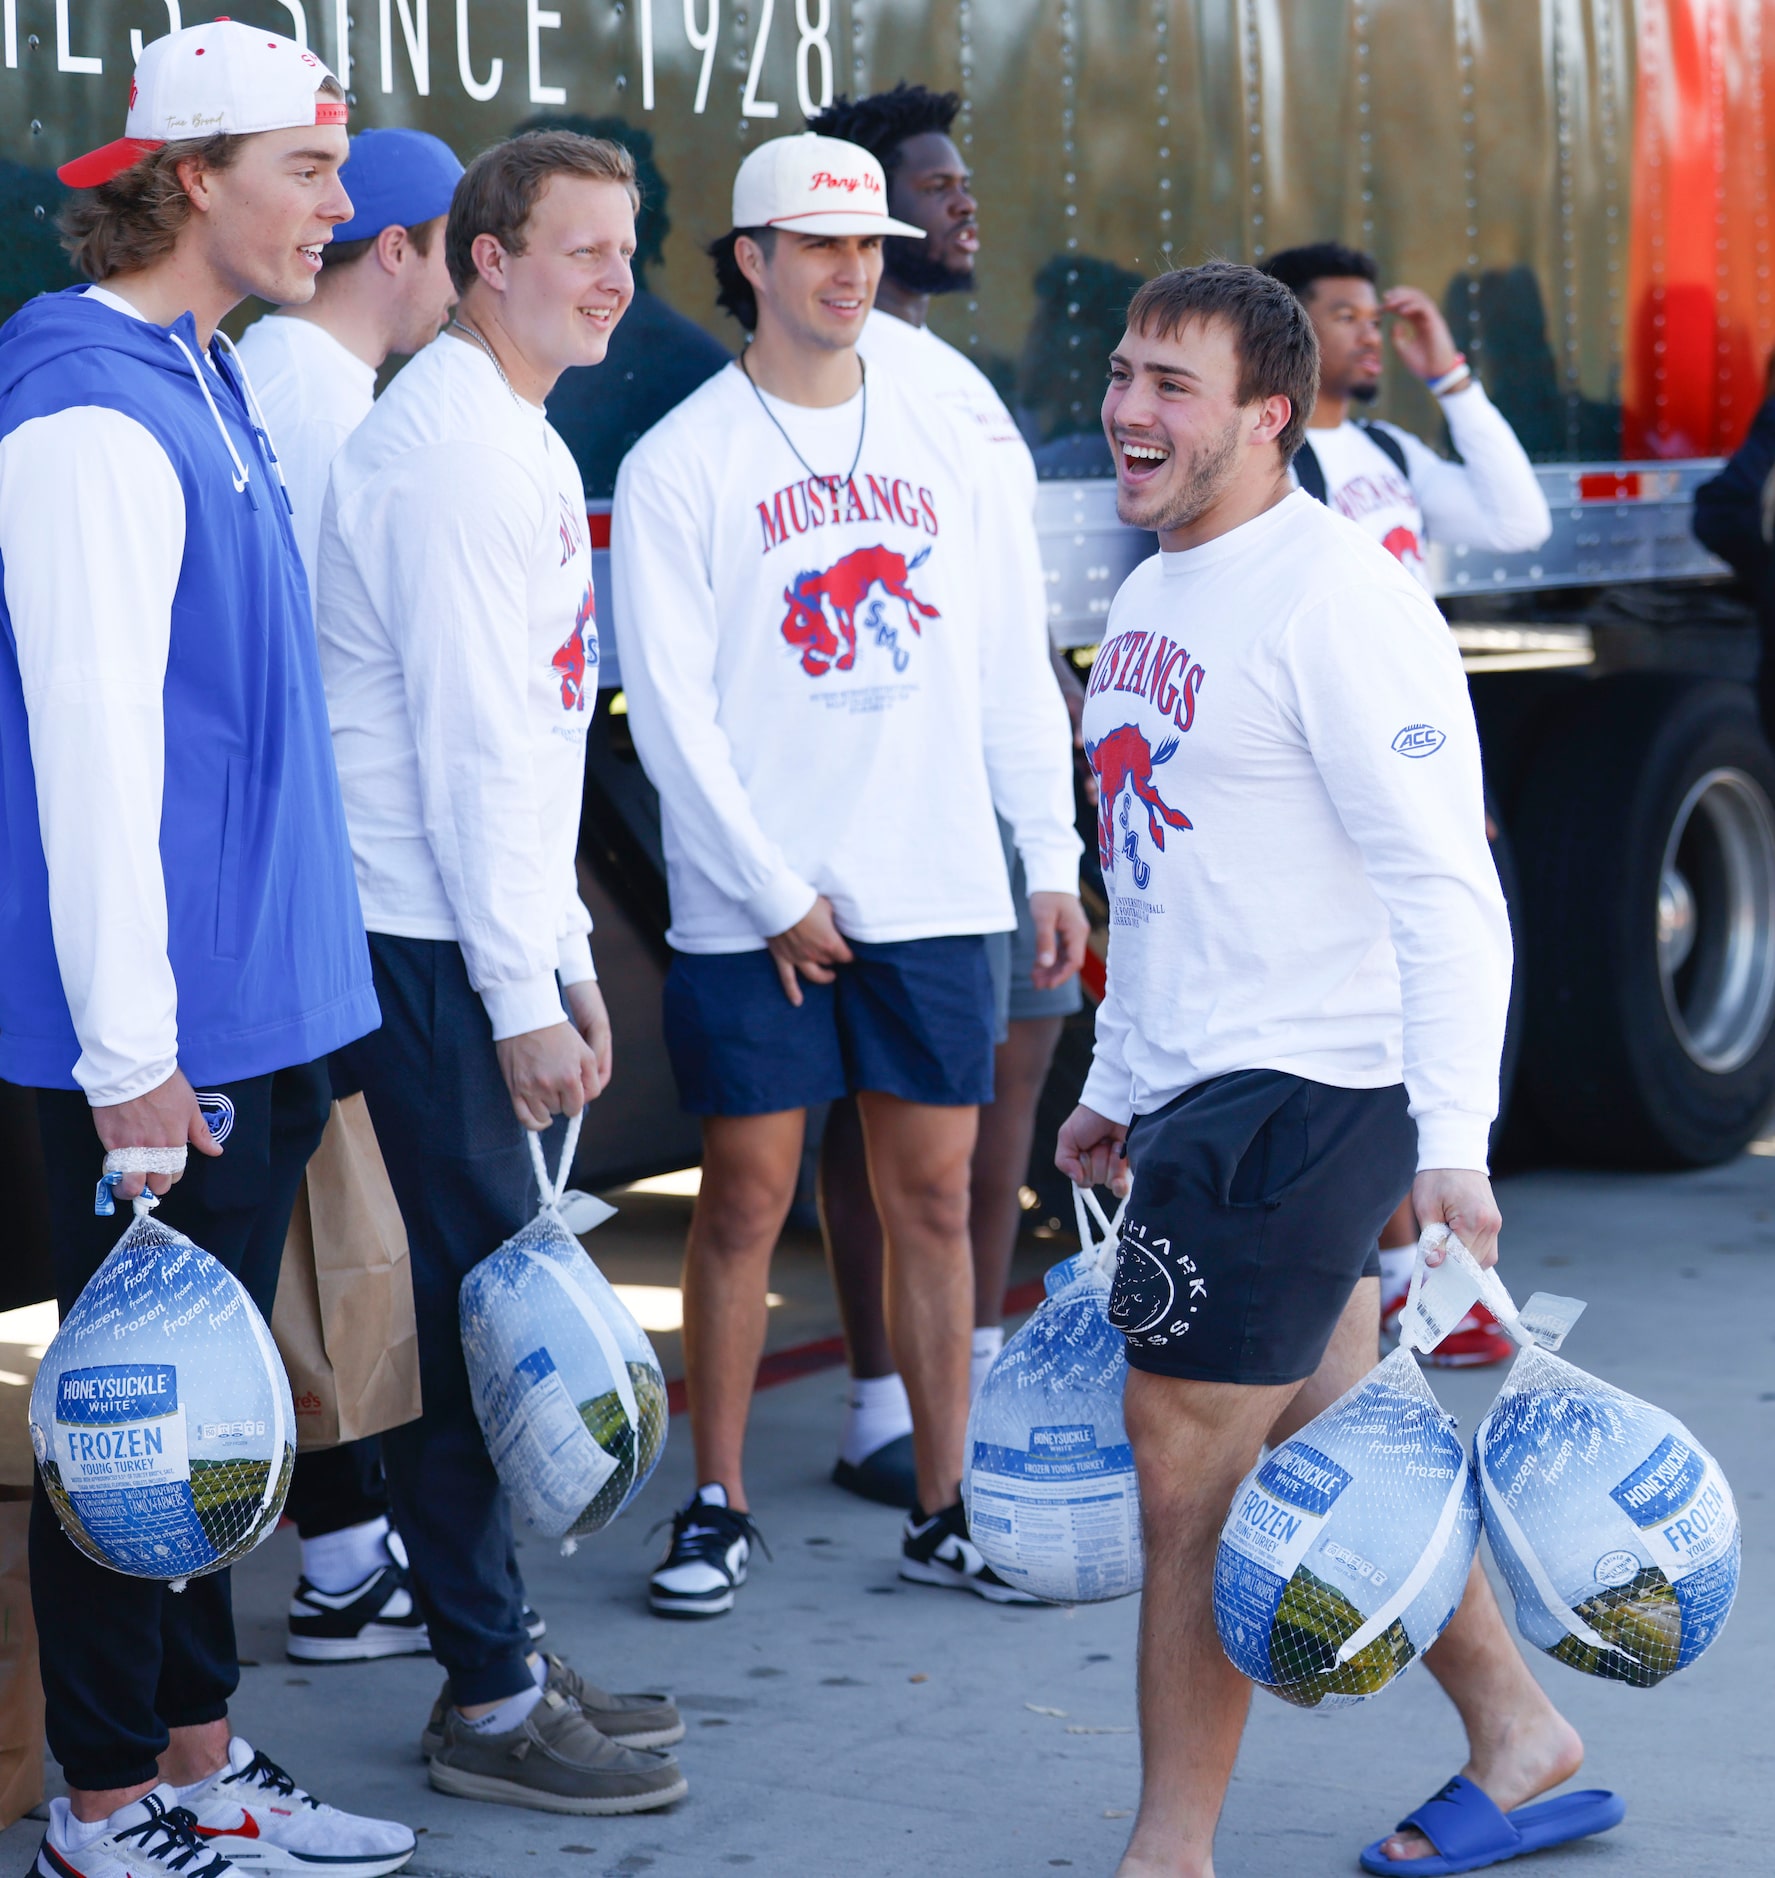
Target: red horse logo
[[1124, 760], [580, 651], [1402, 544], [844, 587]]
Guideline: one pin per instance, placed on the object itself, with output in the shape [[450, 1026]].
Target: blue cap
[[396, 179]]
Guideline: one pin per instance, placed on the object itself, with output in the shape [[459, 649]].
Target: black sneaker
[[534, 1627], [938, 1551], [705, 1564], [373, 1619]]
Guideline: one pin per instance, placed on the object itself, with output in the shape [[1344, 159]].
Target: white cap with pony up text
[[814, 185], [221, 77]]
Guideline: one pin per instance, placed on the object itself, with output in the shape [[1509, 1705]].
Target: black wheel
[[1503, 854], [1645, 834]]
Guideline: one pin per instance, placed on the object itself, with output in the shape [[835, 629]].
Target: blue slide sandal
[[1469, 1832]]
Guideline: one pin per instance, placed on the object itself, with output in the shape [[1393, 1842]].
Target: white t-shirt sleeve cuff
[[574, 959], [1107, 1091], [1052, 871], [781, 903], [1454, 1138], [122, 1086], [525, 1004]]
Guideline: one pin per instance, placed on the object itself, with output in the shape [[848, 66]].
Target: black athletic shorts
[[1258, 1202]]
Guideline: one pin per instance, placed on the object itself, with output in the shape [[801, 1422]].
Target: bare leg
[[750, 1166], [1518, 1744], [1193, 1443], [191, 1754], [853, 1242], [918, 1171], [1001, 1158], [1401, 1229]]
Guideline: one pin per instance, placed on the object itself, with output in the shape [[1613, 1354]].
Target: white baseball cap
[[815, 185], [206, 80]]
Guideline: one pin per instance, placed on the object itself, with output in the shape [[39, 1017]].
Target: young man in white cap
[[833, 676], [181, 930], [460, 654], [907, 130], [383, 289]]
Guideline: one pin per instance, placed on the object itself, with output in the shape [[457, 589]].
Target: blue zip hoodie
[[264, 934]]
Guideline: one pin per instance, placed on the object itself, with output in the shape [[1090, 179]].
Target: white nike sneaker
[[256, 1815], [153, 1837]]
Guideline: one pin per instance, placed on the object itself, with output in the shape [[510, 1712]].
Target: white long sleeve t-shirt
[[1292, 832], [314, 393], [833, 678], [1490, 499], [460, 651]]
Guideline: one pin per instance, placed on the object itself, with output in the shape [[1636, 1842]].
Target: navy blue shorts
[[1258, 1202], [912, 1018]]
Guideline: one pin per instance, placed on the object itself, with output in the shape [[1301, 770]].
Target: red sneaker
[[1474, 1343]]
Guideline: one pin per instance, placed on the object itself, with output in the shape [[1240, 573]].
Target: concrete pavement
[[841, 1722]]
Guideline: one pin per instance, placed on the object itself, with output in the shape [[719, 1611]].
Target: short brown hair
[[501, 186], [136, 218], [1278, 352], [341, 254]]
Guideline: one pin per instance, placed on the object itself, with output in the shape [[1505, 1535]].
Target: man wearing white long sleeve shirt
[[460, 653], [1308, 972], [833, 675], [1384, 479]]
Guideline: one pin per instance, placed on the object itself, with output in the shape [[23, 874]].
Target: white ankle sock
[[338, 1560], [509, 1714], [539, 1668], [988, 1342], [878, 1413], [1396, 1264], [68, 1834]]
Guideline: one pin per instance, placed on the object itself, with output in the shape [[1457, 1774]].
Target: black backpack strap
[[1387, 444], [1308, 472]]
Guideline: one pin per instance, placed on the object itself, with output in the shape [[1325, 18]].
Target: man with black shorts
[[1308, 973], [832, 681]]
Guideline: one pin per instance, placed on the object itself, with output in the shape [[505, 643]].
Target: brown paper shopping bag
[[344, 1313], [21, 1688]]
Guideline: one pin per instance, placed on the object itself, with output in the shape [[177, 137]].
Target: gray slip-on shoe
[[556, 1762], [637, 1721]]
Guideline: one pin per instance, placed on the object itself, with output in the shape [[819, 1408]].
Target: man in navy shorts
[[834, 677], [1308, 974]]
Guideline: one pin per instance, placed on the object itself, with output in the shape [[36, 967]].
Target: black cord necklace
[[862, 428]]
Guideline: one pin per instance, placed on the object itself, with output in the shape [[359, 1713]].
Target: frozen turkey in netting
[[1051, 1495], [161, 1417], [565, 1384], [1614, 1527], [1347, 1548]]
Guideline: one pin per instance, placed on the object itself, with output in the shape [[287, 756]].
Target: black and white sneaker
[[705, 1564], [938, 1551], [373, 1619], [534, 1627]]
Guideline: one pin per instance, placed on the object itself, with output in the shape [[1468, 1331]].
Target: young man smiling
[[908, 131], [180, 929], [833, 679], [1308, 972], [460, 653]]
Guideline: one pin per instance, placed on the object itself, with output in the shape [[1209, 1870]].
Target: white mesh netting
[[161, 1417]]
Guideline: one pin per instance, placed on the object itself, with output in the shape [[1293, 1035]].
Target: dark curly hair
[[1299, 268], [733, 292], [882, 123]]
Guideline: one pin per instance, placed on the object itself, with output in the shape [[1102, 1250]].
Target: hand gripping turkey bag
[[160, 1417], [565, 1384], [1613, 1526], [1348, 1547], [1050, 1487]]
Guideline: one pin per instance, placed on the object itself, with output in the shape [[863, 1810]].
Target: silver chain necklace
[[813, 474], [470, 333]]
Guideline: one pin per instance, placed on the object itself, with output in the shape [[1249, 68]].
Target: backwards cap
[[222, 77], [815, 185]]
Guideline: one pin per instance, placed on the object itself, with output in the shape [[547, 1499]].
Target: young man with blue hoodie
[[181, 929]]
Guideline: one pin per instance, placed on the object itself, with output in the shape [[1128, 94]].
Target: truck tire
[[1645, 835]]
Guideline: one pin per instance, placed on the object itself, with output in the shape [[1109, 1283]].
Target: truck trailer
[[1585, 188]]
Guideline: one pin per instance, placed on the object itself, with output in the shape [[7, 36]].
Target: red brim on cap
[[112, 159]]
